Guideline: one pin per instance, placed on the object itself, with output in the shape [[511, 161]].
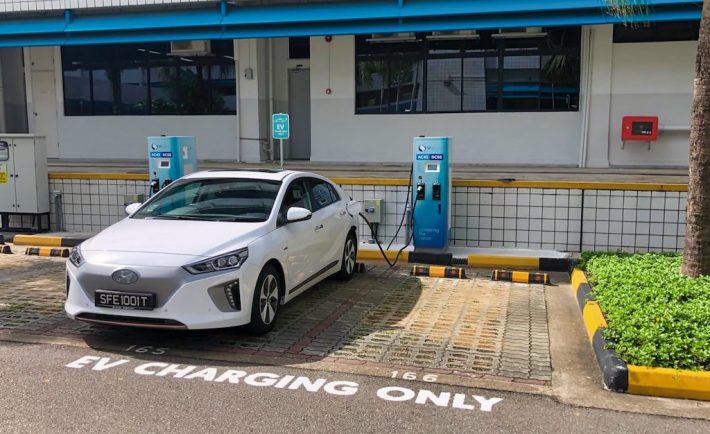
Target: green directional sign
[[279, 126]]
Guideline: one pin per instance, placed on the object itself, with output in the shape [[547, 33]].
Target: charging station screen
[[432, 167]]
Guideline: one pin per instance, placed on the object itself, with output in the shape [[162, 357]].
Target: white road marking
[[291, 382]]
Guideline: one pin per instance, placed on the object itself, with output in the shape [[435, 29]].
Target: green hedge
[[656, 316]]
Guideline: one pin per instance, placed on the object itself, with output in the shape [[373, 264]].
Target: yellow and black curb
[[47, 251], [450, 272], [520, 277], [472, 260], [520, 262], [637, 380], [46, 241]]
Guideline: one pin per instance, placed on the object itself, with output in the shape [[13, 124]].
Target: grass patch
[[656, 316]]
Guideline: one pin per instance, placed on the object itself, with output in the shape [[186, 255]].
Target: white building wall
[[479, 138], [645, 79], [652, 79], [641, 79]]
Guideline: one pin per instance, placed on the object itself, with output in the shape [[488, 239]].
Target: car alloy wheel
[[269, 299], [349, 255], [347, 267]]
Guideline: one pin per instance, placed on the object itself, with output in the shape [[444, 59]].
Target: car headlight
[[75, 257], [228, 261]]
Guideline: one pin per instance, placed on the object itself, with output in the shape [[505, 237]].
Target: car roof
[[265, 174]]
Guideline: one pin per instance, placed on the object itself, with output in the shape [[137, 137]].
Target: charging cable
[[408, 241]]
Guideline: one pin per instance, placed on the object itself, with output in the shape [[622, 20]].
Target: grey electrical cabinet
[[24, 184]]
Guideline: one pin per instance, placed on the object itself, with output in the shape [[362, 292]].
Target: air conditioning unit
[[190, 48], [519, 32], [454, 34], [392, 37]]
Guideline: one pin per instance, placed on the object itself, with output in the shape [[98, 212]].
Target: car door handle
[[319, 227]]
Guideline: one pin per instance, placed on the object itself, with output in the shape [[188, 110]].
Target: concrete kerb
[[475, 260], [47, 240], [639, 380]]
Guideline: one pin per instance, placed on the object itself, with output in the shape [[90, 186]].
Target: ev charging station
[[169, 158], [431, 179]]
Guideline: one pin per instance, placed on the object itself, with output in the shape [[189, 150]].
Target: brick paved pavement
[[385, 318]]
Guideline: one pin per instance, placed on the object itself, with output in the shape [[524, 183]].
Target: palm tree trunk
[[696, 254]]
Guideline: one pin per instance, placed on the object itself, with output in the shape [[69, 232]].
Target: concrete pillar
[[602, 50], [252, 61]]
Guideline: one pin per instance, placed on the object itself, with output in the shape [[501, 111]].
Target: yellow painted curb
[[578, 277], [486, 261], [593, 318], [565, 185], [370, 181], [672, 383], [37, 240], [376, 255]]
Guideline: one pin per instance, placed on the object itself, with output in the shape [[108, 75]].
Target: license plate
[[124, 300]]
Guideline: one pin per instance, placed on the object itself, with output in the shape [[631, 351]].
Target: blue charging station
[[169, 158], [431, 179]]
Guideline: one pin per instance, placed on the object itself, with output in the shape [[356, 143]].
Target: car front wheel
[[265, 306], [347, 266]]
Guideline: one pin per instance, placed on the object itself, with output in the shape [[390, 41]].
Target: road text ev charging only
[[459, 401]]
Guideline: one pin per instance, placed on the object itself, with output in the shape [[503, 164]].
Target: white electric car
[[215, 249]]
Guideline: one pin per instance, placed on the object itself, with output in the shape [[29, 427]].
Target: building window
[[657, 32], [145, 79], [486, 71], [299, 48]]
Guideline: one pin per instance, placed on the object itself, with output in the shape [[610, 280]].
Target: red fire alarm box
[[639, 128]]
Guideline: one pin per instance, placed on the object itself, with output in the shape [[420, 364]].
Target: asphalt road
[[123, 393]]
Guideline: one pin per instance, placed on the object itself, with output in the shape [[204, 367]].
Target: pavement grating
[[385, 317]]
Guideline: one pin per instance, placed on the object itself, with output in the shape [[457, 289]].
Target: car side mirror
[[296, 214], [132, 208]]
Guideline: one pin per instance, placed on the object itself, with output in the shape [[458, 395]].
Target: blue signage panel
[[279, 126]]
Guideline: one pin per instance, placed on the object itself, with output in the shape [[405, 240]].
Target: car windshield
[[231, 200]]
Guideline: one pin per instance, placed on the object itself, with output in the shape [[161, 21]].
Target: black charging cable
[[406, 203], [408, 241]]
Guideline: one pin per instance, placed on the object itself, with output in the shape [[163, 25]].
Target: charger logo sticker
[[161, 154], [3, 173]]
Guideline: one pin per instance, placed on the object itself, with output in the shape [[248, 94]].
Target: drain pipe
[[271, 97], [237, 69], [58, 210], [587, 46]]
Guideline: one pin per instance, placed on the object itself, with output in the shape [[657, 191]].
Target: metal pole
[[281, 152], [58, 210]]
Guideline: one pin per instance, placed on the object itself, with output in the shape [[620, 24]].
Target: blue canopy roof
[[225, 21]]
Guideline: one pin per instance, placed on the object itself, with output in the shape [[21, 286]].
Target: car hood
[[174, 237]]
